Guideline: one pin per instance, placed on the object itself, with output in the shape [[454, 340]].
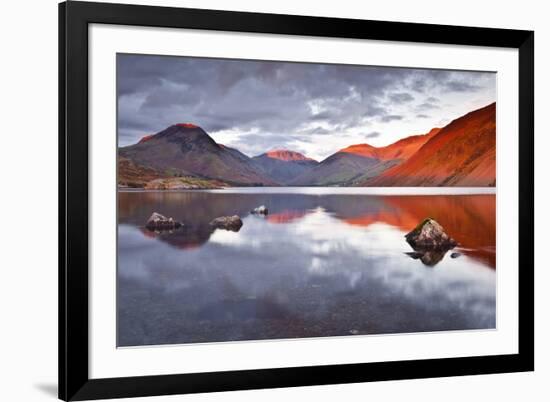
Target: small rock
[[455, 255], [261, 210], [232, 223], [430, 235], [161, 222]]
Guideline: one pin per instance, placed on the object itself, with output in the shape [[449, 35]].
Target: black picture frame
[[74, 19]]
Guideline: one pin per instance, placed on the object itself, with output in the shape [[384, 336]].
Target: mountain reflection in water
[[317, 265]]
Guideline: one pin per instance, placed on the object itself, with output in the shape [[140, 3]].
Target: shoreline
[[331, 190]]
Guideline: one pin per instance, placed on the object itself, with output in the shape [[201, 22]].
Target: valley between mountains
[[184, 156]]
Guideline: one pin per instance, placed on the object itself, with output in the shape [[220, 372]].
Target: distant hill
[[187, 149], [338, 169], [283, 165], [463, 153], [360, 162]]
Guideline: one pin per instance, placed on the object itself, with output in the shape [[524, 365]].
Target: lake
[[323, 262]]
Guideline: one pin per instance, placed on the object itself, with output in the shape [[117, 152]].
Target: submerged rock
[[232, 223], [261, 210], [428, 257], [455, 255], [429, 235], [161, 222]]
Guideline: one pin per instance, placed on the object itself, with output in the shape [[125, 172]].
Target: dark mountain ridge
[[187, 149]]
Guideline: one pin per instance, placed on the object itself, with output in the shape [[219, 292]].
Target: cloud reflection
[[319, 256]]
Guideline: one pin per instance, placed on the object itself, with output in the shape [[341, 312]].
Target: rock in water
[[161, 222], [430, 235], [261, 210], [456, 255], [233, 223]]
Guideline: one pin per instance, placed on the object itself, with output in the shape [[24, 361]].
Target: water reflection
[[470, 219], [428, 257], [317, 265]]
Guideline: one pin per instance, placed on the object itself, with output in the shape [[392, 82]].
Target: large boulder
[[232, 223], [161, 222], [261, 210], [430, 235]]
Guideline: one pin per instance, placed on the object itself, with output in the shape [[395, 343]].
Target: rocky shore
[[183, 183]]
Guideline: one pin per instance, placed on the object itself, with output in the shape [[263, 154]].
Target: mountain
[[402, 149], [186, 149], [463, 153], [146, 138], [283, 165], [361, 162], [338, 169], [287, 156], [236, 153], [131, 175]]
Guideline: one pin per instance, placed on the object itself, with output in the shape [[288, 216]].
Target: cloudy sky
[[316, 109]]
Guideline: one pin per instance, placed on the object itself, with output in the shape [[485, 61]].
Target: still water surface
[[322, 263]]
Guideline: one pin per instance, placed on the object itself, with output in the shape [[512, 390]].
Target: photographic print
[[265, 200]]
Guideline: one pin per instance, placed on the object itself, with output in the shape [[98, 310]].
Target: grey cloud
[[326, 115], [319, 130], [133, 124], [373, 134], [425, 81], [419, 85], [422, 116], [267, 97], [427, 106], [375, 110], [461, 86], [401, 97], [391, 117]]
